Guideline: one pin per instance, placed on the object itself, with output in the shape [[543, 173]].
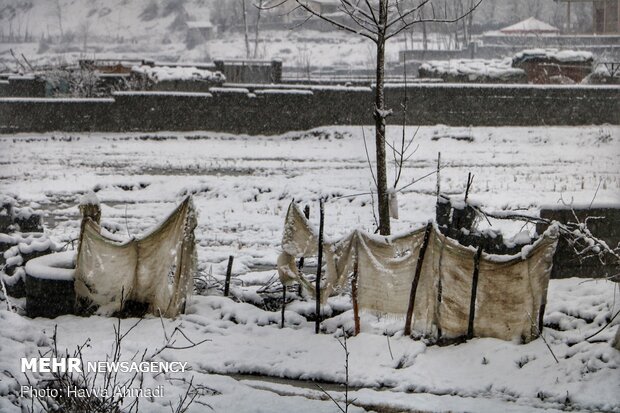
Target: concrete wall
[[48, 114], [604, 223], [256, 110], [22, 86]]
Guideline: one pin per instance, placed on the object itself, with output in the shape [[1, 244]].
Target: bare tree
[[379, 21], [245, 29], [533, 8], [259, 8], [58, 12]]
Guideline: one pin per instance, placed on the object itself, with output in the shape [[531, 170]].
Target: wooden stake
[[470, 180], [356, 313], [300, 265], [228, 274], [317, 326], [474, 288], [438, 169], [416, 278], [283, 304], [541, 315]]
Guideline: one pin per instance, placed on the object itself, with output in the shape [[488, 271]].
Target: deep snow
[[242, 186]]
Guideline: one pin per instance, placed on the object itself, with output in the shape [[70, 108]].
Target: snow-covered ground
[[242, 186]]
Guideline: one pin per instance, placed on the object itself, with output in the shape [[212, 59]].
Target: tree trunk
[[424, 32], [256, 29], [245, 29], [380, 115]]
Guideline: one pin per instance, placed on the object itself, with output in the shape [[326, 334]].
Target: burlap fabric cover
[[156, 268], [509, 295]]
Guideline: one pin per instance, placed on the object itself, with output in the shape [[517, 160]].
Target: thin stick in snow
[[300, 265], [283, 305], [438, 169], [356, 314], [540, 334], [9, 306], [228, 274], [317, 325]]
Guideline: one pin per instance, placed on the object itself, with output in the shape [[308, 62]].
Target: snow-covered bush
[[472, 70], [601, 76]]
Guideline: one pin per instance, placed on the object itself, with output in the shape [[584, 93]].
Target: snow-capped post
[[474, 288], [90, 209], [228, 274], [319, 264], [416, 278]]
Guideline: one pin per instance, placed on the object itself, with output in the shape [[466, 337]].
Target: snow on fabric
[[157, 268], [511, 291]]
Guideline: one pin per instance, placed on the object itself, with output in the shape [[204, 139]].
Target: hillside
[[64, 30]]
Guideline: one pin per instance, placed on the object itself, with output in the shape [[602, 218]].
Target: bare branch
[[351, 10], [334, 22], [372, 12], [402, 16], [302, 23], [270, 7]]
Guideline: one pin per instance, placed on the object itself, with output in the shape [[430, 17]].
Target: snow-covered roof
[[530, 25]]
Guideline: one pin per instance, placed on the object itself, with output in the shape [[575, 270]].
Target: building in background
[[605, 15]]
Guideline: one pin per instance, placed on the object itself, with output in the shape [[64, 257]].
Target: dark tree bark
[[380, 115]]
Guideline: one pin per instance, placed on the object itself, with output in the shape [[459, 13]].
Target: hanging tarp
[[508, 294], [156, 269]]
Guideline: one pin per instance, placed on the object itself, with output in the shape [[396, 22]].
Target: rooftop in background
[[530, 26]]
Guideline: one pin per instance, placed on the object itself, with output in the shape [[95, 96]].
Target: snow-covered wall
[[264, 111]]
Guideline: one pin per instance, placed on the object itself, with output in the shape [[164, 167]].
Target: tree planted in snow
[[379, 21]]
